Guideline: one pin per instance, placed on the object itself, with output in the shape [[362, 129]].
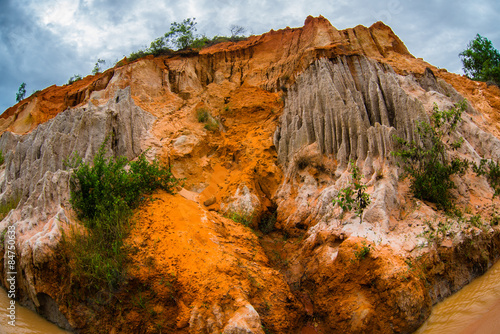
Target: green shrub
[[241, 218], [74, 78], [481, 60], [9, 204], [426, 160], [98, 66], [491, 169], [361, 253], [182, 36], [103, 196], [354, 195], [21, 93], [202, 115]]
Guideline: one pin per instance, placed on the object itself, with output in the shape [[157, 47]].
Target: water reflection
[[27, 322]]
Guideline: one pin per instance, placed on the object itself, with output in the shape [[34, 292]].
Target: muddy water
[[27, 322], [474, 309]]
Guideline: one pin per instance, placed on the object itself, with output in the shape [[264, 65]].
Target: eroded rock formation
[[291, 108]]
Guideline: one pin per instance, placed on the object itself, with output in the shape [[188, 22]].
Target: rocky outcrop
[[35, 170], [292, 108]]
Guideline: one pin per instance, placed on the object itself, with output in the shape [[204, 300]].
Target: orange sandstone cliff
[[289, 109]]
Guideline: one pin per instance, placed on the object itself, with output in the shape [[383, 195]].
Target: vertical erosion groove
[[350, 106]]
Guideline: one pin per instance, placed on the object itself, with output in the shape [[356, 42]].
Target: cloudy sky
[[45, 42]]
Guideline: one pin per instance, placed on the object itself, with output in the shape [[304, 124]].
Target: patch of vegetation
[[21, 93], [98, 66], [426, 160], [9, 204], [481, 61], [241, 218], [202, 115], [491, 169], [354, 195], [183, 36], [103, 196], [74, 78], [435, 232], [2, 158], [363, 252]]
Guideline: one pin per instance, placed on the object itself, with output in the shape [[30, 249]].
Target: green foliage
[[202, 115], [21, 93], [97, 68], [354, 195], [183, 36], [2, 158], [491, 169], [241, 218], [9, 204], [103, 196], [360, 254], [481, 61], [426, 161], [74, 78]]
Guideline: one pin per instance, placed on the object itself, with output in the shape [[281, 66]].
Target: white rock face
[[350, 106], [244, 203], [245, 320], [35, 170]]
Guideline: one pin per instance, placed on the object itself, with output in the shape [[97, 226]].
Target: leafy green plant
[[354, 195], [74, 78], [21, 93], [183, 36], [426, 160], [362, 252], [103, 196], [491, 169], [212, 125], [481, 61], [98, 66]]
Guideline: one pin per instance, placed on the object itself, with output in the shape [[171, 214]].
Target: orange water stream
[[26, 321], [474, 309]]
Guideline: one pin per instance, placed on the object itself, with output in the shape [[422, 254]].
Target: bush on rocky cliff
[[354, 195], [481, 60], [103, 196], [182, 36], [426, 160]]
